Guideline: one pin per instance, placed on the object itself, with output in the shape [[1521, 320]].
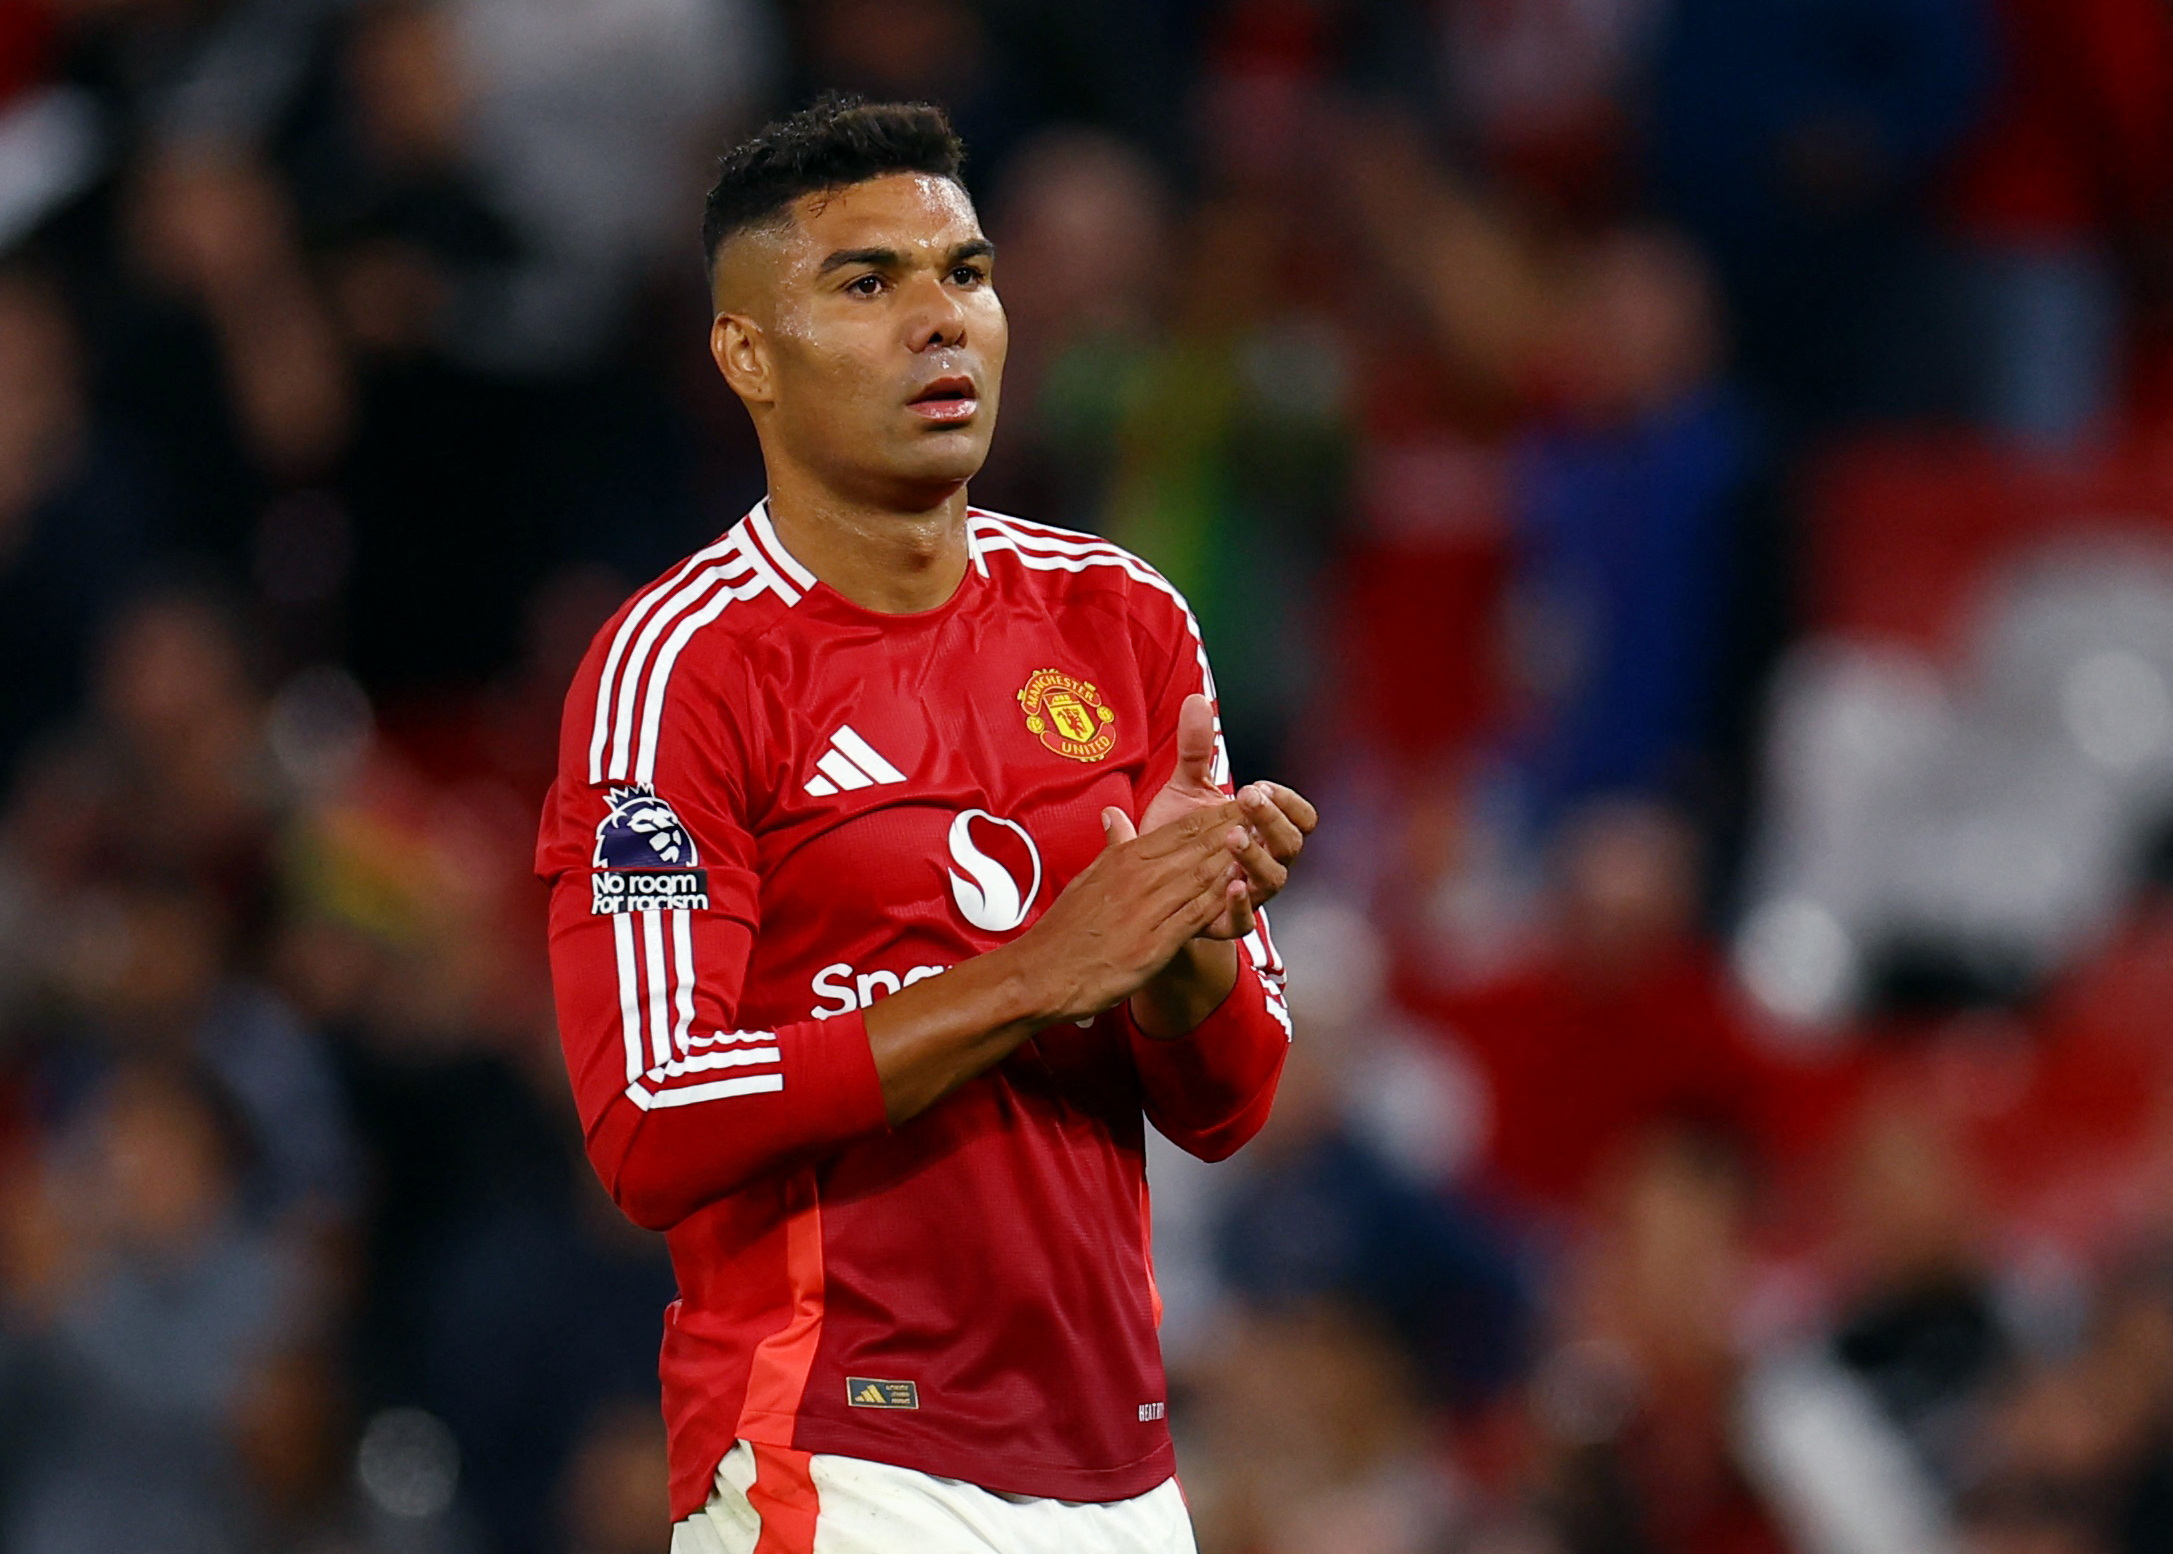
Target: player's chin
[[945, 453]]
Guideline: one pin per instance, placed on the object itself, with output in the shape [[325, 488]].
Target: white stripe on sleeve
[[652, 943], [683, 955], [622, 933]]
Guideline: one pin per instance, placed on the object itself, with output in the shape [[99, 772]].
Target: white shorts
[[776, 1502]]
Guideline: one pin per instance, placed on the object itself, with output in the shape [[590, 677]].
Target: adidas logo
[[850, 762], [864, 1392]]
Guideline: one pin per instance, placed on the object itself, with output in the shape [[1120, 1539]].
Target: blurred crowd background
[[1687, 485]]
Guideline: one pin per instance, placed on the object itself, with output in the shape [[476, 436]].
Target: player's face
[[885, 342]]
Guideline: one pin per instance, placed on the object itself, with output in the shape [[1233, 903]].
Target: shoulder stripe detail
[[658, 685], [773, 549], [1023, 539], [1042, 534], [618, 713], [1039, 530], [1051, 550], [620, 641], [642, 653]]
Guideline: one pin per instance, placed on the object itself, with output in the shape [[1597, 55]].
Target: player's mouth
[[946, 402]]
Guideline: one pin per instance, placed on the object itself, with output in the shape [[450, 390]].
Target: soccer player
[[897, 880]]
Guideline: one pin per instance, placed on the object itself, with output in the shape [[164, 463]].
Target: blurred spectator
[[169, 775], [1230, 437], [49, 133], [581, 122], [144, 1313], [1623, 499], [214, 233], [1085, 224], [2078, 1456], [1798, 142], [1311, 1436], [80, 515], [150, 969], [202, 74], [1323, 1214], [1922, 1331], [1622, 1021], [1545, 89], [500, 221], [496, 1289], [1637, 1406], [615, 1503], [2063, 202], [544, 1326], [1631, 509], [1934, 839]]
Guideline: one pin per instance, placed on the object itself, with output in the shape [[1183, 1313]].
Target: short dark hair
[[836, 141]]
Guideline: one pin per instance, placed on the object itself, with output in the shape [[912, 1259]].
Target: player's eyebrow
[[876, 258], [891, 259]]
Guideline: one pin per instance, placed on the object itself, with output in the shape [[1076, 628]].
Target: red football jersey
[[773, 807]]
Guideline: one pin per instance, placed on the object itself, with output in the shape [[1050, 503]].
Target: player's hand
[[1278, 818], [1127, 914]]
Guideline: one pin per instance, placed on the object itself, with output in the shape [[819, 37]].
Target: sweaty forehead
[[918, 216], [902, 211]]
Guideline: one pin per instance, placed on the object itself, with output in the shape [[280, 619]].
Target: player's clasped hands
[[1277, 818], [1124, 916], [1128, 912]]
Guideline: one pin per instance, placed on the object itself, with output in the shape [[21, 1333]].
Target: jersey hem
[[1090, 1486]]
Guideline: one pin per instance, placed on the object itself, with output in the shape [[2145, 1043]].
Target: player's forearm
[[936, 1035], [1191, 987], [1211, 1092], [1116, 927]]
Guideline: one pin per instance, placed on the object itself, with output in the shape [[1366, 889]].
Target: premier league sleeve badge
[[645, 858]]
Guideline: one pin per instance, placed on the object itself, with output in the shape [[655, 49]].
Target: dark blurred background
[[1686, 484]]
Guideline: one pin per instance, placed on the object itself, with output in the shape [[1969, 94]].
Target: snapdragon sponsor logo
[[989, 891], [995, 876], [841, 989]]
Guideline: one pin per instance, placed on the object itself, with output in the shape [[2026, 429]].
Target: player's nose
[[938, 319]]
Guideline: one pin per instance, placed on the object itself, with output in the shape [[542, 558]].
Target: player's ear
[[742, 354]]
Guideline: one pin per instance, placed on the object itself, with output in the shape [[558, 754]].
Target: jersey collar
[[761, 538]]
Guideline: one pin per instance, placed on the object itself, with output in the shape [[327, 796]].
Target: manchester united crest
[[1067, 715]]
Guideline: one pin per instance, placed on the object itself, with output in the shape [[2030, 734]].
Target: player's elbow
[[1218, 1138], [663, 1176], [1220, 1143], [650, 1182], [651, 1199], [1216, 1147]]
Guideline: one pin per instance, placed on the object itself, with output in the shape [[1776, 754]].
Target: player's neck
[[896, 562]]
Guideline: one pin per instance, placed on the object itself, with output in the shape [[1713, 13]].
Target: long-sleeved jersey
[[774, 807]]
